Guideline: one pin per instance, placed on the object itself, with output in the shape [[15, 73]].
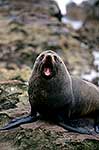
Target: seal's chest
[[45, 110]]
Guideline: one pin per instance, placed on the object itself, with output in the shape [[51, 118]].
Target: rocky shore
[[26, 29]]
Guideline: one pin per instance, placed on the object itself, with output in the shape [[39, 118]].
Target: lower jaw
[[47, 77]]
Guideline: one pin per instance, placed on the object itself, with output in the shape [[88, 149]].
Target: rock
[[46, 136], [26, 29], [40, 134]]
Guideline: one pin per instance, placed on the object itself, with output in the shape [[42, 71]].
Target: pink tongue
[[47, 71]]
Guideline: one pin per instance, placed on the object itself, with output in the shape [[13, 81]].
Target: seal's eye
[[41, 57], [56, 59]]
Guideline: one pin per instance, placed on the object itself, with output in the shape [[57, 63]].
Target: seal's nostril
[[49, 57]]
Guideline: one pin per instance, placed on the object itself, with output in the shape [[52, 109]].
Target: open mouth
[[47, 70]]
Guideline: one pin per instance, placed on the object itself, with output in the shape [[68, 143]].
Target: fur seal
[[59, 97]]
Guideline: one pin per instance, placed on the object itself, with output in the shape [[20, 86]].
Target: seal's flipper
[[97, 128], [73, 129], [18, 121], [96, 125]]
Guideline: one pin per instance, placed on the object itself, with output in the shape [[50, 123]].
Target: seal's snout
[[49, 59]]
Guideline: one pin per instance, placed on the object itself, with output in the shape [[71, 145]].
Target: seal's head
[[50, 82], [47, 64]]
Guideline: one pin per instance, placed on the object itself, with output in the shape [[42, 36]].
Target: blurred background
[[69, 27], [28, 27]]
